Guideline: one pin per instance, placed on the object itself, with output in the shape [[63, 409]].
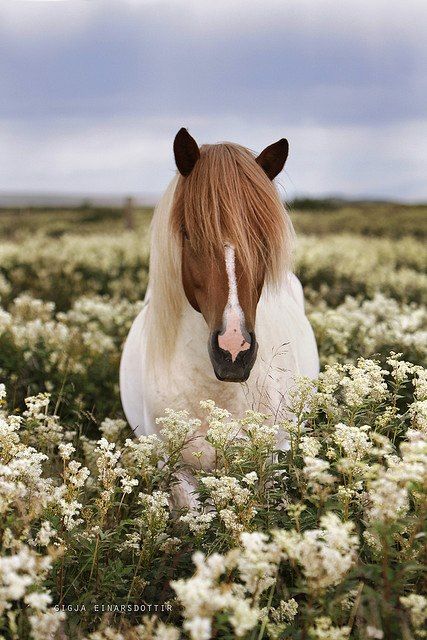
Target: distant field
[[346, 502], [17, 223], [369, 219], [318, 217]]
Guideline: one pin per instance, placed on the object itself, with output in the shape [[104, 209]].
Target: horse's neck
[[191, 322]]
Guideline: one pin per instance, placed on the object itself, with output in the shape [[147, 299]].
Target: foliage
[[322, 541], [75, 353]]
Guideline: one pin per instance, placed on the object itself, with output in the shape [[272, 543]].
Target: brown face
[[217, 287], [215, 283]]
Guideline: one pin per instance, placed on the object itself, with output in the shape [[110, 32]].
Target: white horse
[[224, 315]]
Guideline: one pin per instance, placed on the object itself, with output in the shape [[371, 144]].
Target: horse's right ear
[[186, 152]]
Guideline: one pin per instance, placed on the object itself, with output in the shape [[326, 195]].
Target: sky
[[92, 92]]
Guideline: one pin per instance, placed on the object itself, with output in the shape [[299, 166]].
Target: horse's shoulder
[[296, 290]]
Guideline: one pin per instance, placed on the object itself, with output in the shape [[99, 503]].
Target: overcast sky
[[92, 92]]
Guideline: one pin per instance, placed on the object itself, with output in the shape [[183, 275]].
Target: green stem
[[270, 600], [95, 555]]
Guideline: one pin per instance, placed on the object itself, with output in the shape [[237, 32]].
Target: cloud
[[135, 156], [322, 62], [43, 20], [347, 82]]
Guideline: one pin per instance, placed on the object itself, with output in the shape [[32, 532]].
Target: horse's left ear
[[186, 152], [273, 158]]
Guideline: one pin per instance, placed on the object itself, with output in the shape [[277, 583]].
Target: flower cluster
[[321, 537], [271, 529]]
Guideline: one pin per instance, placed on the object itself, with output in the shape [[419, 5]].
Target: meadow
[[326, 541]]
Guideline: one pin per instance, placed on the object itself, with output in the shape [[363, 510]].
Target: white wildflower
[[45, 624], [374, 632], [324, 630], [257, 562], [70, 511], [198, 523], [310, 446], [199, 628], [76, 474], [177, 428], [128, 484], [111, 429], [66, 450], [244, 617], [317, 473], [417, 606], [45, 534], [145, 452], [226, 490], [325, 554], [250, 478], [38, 600], [286, 611], [353, 440], [363, 382]]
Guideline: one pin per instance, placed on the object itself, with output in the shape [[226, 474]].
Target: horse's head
[[234, 235]]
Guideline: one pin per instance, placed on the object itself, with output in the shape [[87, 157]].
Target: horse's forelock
[[228, 198]]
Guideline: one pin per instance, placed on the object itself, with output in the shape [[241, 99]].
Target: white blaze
[[232, 340]]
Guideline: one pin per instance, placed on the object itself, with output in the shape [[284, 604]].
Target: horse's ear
[[273, 158], [186, 152]]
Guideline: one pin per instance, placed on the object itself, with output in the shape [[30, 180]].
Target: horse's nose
[[232, 357], [235, 340], [234, 337]]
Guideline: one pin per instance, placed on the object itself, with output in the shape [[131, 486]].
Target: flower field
[[325, 541]]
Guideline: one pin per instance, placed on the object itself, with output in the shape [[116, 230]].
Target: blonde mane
[[226, 198]]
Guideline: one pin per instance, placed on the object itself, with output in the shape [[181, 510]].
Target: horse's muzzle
[[226, 369]]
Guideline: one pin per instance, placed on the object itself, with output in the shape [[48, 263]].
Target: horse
[[224, 314]]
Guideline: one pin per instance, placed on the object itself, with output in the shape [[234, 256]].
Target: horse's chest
[[192, 383]]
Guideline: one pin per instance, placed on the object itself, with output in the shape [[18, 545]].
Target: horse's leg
[[184, 492]]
